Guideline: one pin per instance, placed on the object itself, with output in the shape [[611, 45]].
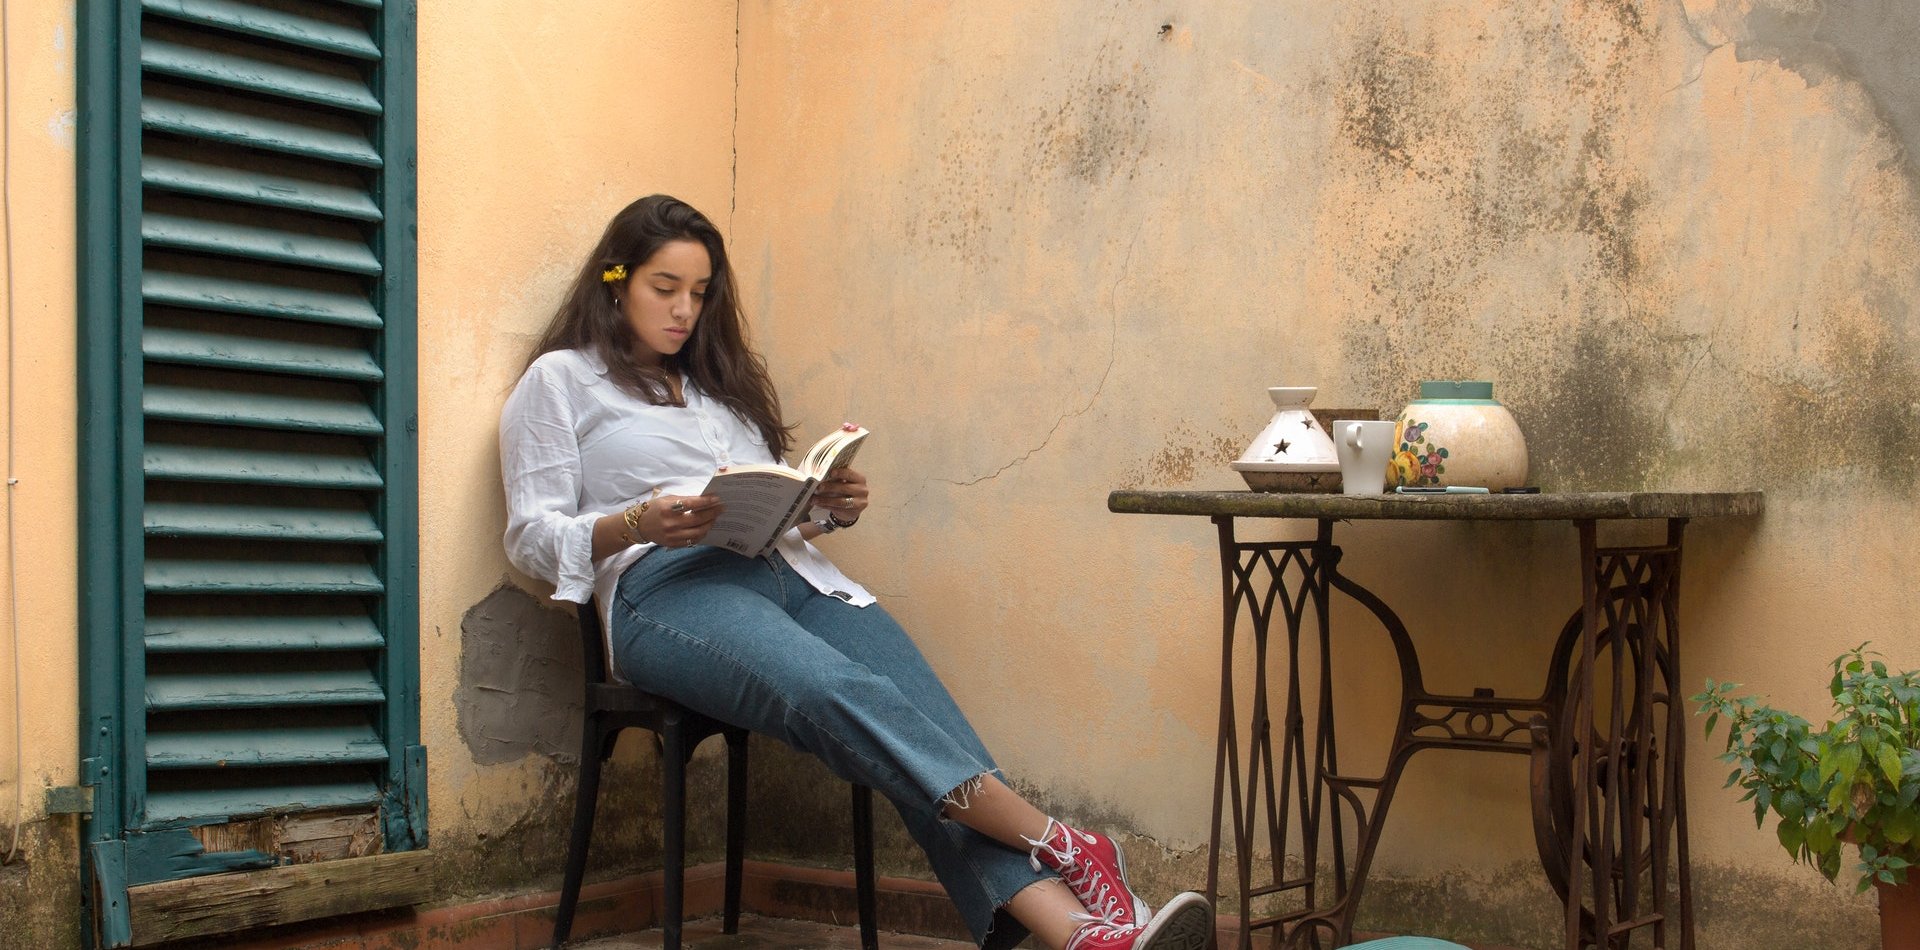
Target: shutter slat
[[254, 689], [260, 188], [204, 348], [249, 75], [172, 519], [246, 748], [266, 411], [261, 634], [173, 805], [209, 576], [273, 135], [269, 24], [238, 296], [266, 244], [259, 467]]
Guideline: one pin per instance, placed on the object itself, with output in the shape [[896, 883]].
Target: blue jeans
[[749, 642]]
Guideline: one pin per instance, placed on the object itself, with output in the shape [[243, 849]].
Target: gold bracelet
[[632, 518]]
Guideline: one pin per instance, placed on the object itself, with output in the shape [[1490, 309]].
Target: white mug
[[1365, 448]]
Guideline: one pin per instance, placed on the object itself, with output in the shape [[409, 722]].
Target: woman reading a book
[[640, 390]]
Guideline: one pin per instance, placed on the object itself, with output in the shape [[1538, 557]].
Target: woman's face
[[662, 298]]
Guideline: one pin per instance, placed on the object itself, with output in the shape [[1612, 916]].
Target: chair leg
[[736, 826], [673, 819], [863, 885], [586, 798]]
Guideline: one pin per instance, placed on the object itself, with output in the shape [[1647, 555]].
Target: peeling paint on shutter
[[262, 288]]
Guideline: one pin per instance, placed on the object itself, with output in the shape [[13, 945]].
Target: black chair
[[612, 706]]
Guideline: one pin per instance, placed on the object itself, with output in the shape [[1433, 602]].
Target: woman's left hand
[[844, 494]]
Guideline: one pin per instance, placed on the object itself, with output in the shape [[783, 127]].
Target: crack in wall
[[733, 144], [1113, 355]]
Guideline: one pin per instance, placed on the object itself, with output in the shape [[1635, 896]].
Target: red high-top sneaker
[[1094, 869], [1186, 923]]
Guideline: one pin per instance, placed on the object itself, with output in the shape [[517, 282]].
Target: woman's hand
[[844, 494], [679, 521]]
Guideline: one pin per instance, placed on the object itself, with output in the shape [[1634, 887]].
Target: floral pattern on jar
[[1416, 461]]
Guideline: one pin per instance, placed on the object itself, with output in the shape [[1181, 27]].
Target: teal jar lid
[[1456, 390]]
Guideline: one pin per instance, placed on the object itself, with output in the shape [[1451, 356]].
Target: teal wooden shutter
[[249, 471]]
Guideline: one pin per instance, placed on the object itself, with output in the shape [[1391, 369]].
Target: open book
[[762, 502]]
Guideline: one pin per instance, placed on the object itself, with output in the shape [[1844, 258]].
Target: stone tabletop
[[1549, 506]]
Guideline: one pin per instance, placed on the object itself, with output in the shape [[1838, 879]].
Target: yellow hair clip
[[614, 274]]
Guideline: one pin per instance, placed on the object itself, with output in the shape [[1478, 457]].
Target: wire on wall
[[13, 559]]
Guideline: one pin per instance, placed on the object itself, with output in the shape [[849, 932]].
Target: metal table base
[[1608, 791]]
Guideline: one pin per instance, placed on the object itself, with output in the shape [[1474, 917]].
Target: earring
[[616, 301]]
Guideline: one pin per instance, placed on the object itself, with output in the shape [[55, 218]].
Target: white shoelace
[[1086, 882], [1094, 927]]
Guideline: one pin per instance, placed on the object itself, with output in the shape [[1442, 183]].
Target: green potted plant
[[1855, 781]]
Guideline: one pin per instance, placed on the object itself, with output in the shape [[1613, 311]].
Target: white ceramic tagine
[[1293, 453]]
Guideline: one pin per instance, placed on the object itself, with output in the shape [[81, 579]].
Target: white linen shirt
[[575, 447]]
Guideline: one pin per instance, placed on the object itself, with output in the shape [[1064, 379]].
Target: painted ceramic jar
[[1294, 452], [1456, 434]]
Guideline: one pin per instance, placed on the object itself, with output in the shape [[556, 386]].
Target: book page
[[837, 450], [758, 503]]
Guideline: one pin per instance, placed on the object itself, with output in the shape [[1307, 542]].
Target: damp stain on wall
[[1082, 124], [1459, 165], [40, 889], [1183, 458], [1497, 211]]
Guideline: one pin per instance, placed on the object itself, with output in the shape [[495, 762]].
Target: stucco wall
[[1047, 250], [39, 883], [537, 123]]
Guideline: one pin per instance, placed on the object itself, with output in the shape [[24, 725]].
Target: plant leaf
[[1900, 828], [1791, 804], [1792, 836], [1846, 757], [1820, 836], [1890, 762]]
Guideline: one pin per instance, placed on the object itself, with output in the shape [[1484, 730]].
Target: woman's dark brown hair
[[716, 358]]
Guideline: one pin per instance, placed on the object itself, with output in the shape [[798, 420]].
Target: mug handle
[[1353, 435]]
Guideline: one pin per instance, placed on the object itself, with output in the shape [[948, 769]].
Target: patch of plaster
[[520, 680], [1867, 42], [60, 128]]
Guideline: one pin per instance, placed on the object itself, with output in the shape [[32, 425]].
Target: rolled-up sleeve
[[547, 535]]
